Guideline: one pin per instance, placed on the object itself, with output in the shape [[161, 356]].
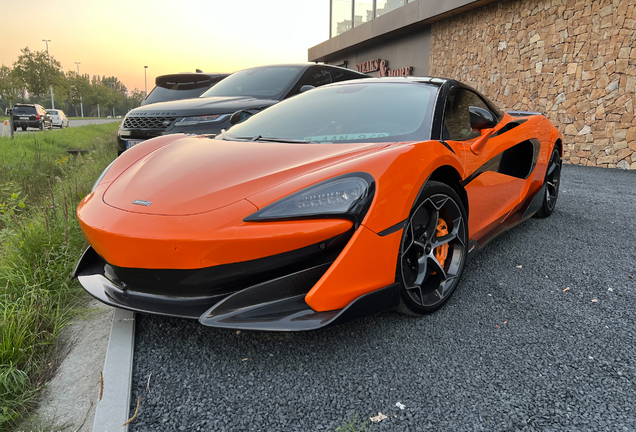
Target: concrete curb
[[113, 410]]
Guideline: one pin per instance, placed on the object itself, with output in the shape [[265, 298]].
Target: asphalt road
[[71, 123], [540, 336]]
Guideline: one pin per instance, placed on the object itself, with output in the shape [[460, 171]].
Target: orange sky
[[118, 37]]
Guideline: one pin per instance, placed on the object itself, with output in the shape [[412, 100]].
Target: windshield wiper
[[281, 140]]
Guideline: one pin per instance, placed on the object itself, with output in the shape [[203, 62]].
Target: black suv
[[31, 115], [251, 89], [181, 86]]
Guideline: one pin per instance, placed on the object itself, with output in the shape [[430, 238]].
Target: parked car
[[58, 118], [31, 116], [349, 199], [251, 89], [181, 86]]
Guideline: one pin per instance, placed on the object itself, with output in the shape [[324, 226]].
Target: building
[[573, 60]]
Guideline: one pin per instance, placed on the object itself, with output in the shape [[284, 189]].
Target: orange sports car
[[345, 200]]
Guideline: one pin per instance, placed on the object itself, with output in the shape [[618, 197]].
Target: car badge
[[142, 202]]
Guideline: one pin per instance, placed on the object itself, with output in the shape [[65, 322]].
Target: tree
[[99, 93], [79, 88], [34, 69], [117, 93], [11, 86], [136, 98]]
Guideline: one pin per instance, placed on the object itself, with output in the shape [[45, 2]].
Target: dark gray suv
[[31, 116], [251, 89]]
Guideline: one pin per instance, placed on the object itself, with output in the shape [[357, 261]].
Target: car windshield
[[262, 83], [360, 112], [53, 112], [24, 110]]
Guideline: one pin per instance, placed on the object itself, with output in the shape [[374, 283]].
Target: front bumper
[[276, 303], [124, 135]]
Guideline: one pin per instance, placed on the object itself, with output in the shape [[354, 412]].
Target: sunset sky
[[120, 37]]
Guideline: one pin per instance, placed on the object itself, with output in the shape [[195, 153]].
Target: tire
[[551, 183], [24, 128], [428, 278], [42, 126]]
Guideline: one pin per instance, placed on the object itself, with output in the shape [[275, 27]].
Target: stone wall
[[573, 60]]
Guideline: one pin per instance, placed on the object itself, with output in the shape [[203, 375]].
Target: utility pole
[[78, 76], [111, 88], [49, 56], [145, 82]]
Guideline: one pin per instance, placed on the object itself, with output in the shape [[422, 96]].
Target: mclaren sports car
[[345, 200]]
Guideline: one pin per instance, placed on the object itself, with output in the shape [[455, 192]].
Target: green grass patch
[[40, 242], [29, 162], [353, 424]]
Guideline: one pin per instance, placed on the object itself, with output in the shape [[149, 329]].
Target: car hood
[[201, 106], [194, 175]]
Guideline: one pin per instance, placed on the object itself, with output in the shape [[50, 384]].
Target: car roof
[[305, 66], [403, 79]]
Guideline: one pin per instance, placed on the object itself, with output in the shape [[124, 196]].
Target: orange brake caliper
[[441, 252]]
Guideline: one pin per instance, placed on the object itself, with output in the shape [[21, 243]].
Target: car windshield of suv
[[261, 83], [374, 112], [24, 110]]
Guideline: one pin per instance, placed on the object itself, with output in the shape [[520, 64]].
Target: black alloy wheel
[[551, 182], [433, 250]]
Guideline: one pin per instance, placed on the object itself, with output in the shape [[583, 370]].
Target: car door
[[492, 192]]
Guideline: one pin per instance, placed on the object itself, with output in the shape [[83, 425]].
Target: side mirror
[[306, 87], [240, 116], [481, 119]]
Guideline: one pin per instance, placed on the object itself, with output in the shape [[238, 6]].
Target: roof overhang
[[403, 20]]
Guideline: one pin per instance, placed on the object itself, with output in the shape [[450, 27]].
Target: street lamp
[[81, 103], [145, 81], [49, 56]]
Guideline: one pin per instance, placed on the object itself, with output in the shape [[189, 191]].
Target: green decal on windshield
[[345, 137]]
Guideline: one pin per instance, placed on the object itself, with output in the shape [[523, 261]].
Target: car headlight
[[101, 176], [188, 121], [347, 196]]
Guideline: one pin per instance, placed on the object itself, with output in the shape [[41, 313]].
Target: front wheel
[[551, 184], [433, 250]]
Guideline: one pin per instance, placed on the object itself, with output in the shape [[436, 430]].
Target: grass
[[40, 242], [353, 424]]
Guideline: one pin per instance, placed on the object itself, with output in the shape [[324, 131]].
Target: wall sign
[[383, 67]]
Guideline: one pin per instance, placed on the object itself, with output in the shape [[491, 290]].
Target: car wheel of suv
[[24, 128]]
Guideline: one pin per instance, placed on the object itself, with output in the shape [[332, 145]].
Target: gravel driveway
[[540, 336]]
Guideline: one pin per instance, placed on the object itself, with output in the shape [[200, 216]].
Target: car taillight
[[37, 116]]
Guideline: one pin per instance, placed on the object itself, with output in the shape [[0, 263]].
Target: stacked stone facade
[[573, 60]]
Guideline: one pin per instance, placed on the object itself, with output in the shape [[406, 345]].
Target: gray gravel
[[510, 351]]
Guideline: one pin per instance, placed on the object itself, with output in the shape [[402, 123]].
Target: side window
[[457, 117], [340, 75], [316, 77]]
